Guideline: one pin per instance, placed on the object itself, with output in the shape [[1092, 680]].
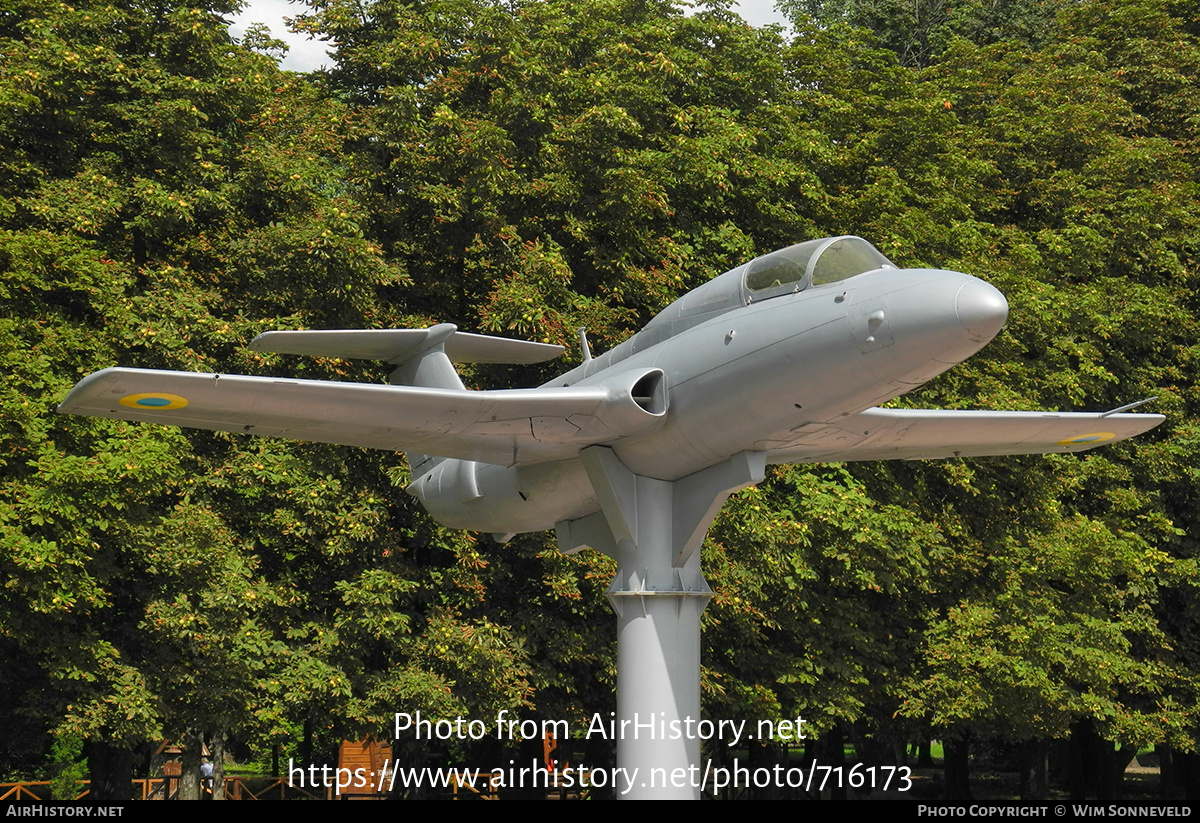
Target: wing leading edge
[[921, 434], [499, 427]]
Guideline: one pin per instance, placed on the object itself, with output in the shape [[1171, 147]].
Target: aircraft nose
[[929, 320], [981, 309]]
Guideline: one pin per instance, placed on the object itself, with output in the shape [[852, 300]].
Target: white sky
[[306, 54]]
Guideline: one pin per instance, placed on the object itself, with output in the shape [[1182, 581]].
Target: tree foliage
[[526, 168]]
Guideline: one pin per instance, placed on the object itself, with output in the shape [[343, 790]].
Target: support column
[[653, 528], [658, 608]]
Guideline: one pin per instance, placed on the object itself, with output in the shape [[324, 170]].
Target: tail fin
[[426, 363], [423, 357]]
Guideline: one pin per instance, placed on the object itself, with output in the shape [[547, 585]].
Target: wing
[[501, 427], [919, 434]]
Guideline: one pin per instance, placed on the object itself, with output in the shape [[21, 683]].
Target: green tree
[[918, 31], [165, 195], [527, 168]]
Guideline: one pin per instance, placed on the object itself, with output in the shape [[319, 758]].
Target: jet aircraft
[[788, 355], [785, 359]]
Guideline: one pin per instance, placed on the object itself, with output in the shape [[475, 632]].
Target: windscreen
[[814, 262], [846, 257]]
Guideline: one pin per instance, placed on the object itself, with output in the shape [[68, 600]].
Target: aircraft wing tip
[[76, 396]]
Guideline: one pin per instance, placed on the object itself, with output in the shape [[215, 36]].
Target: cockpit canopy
[[789, 270], [815, 262]]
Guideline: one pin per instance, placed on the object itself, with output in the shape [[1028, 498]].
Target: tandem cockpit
[[812, 263], [787, 271]]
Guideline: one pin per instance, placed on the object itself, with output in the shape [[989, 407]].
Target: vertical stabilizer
[[422, 357], [427, 365]]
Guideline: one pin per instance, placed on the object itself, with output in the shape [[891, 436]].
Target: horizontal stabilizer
[[500, 427], [921, 434], [397, 345]]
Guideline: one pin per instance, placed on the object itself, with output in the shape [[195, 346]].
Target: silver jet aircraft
[[788, 355], [785, 359]]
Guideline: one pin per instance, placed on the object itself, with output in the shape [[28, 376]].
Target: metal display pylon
[[653, 529]]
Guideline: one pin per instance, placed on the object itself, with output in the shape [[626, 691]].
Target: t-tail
[[422, 357]]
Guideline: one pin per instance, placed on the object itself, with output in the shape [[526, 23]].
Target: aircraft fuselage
[[774, 364]]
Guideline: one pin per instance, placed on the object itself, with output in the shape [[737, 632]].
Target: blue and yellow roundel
[[1080, 439], [154, 401]]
